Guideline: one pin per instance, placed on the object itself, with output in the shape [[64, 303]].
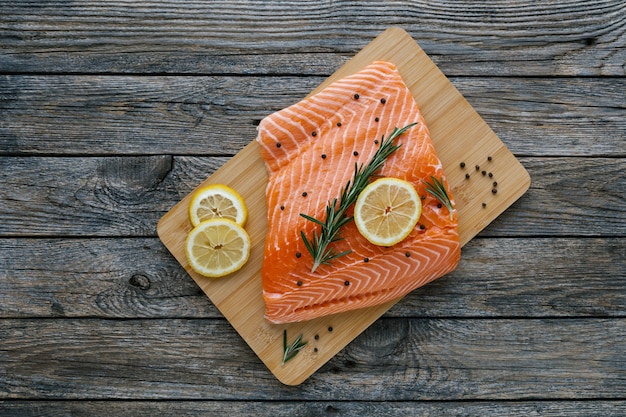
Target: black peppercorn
[[489, 158], [484, 173], [346, 283], [484, 205], [278, 144], [383, 101], [375, 141], [282, 207], [355, 153], [494, 191], [298, 254], [299, 283], [422, 227], [316, 337], [356, 96], [323, 156], [315, 350], [330, 328], [304, 194], [467, 176], [338, 124], [495, 183], [462, 164], [313, 134], [376, 119], [407, 254], [490, 175], [439, 205], [366, 259], [477, 167]]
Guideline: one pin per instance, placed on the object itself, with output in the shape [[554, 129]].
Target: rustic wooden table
[[112, 112]]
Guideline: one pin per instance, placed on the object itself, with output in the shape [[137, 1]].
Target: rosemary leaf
[[438, 189], [308, 244], [312, 219], [289, 352], [318, 245]]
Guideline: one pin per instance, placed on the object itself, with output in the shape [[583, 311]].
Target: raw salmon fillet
[[310, 149]]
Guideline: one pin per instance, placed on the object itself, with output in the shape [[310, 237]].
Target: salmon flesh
[[310, 150]]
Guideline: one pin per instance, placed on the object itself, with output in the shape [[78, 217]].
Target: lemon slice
[[217, 201], [217, 247], [387, 210]]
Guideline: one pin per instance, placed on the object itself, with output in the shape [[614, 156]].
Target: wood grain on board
[[459, 135]]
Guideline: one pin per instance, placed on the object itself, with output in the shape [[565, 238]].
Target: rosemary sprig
[[318, 245], [437, 189], [289, 352]]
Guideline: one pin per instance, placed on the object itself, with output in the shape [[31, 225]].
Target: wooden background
[[111, 112]]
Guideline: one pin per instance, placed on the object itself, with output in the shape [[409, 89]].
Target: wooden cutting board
[[459, 135]]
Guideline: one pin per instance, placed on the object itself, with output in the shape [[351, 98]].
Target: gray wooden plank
[[568, 197], [594, 408], [140, 115], [126, 196], [308, 37], [395, 359], [115, 196], [138, 278], [217, 115], [112, 277]]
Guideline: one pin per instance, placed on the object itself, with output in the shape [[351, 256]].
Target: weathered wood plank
[[402, 359], [137, 278], [95, 196], [141, 115], [115, 278], [216, 115], [568, 197], [126, 196], [593, 408], [309, 37]]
